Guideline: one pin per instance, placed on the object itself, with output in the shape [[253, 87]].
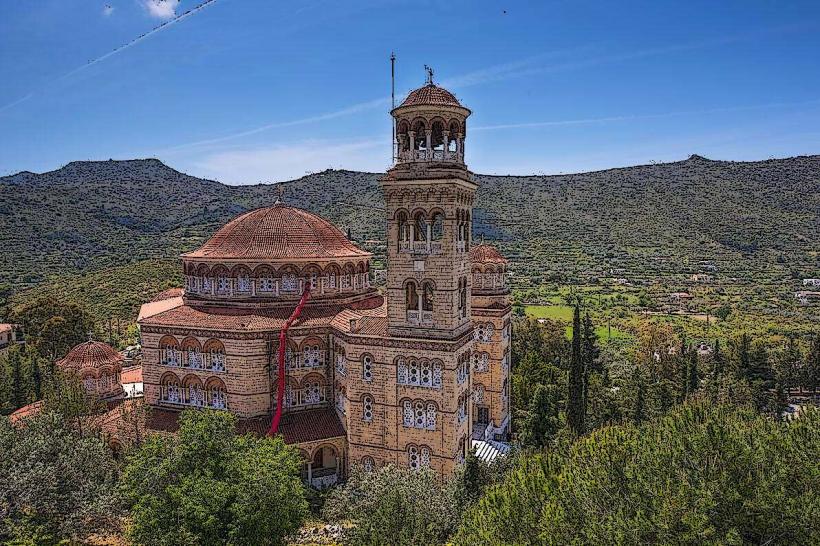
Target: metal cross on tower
[[429, 75]]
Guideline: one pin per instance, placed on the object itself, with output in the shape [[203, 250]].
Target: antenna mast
[[393, 100]]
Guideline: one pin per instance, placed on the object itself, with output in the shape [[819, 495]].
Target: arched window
[[426, 376], [340, 397], [418, 457], [437, 225], [404, 228], [430, 419], [216, 393], [367, 407], [421, 226], [419, 415], [312, 354], [413, 372], [368, 464], [169, 354], [427, 302], [243, 279], [481, 361], [462, 407], [170, 390], [401, 371], [289, 282], [214, 355], [411, 296], [367, 368], [264, 280], [407, 413], [413, 457]]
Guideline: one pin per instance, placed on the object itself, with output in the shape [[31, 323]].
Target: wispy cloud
[[610, 119], [108, 9], [115, 51], [349, 110], [161, 9], [292, 160]]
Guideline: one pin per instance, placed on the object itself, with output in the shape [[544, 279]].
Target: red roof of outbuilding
[[90, 354], [430, 94], [486, 254], [168, 294], [278, 233]]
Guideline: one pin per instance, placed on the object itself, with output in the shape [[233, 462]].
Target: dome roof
[[430, 94], [90, 354], [278, 233], [486, 254]]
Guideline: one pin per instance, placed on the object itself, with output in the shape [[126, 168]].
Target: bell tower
[[429, 195]]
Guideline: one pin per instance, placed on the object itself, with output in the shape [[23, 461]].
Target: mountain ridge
[[655, 220]]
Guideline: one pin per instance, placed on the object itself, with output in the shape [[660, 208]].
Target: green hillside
[[753, 226]]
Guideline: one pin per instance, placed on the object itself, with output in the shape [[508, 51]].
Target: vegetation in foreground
[[703, 474], [208, 485]]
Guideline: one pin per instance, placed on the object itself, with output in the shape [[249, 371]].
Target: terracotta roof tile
[[245, 320], [90, 355], [486, 254], [310, 425], [278, 233], [296, 427], [131, 374], [430, 94], [167, 294], [26, 412]]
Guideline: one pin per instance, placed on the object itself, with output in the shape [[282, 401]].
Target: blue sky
[[245, 91]]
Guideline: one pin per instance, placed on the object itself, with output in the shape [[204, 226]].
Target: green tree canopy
[[703, 474], [54, 484], [208, 485], [396, 506]]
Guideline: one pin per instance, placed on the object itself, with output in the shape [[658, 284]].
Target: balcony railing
[[430, 155], [194, 360], [420, 317], [420, 247], [268, 286]]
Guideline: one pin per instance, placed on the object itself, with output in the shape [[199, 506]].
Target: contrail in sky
[[120, 49]]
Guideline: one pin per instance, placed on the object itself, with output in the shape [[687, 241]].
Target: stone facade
[[405, 377]]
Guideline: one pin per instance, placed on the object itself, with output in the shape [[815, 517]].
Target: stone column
[[446, 135], [428, 139]]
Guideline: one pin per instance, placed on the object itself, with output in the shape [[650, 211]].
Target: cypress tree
[[639, 404], [17, 395], [542, 423], [575, 398], [694, 380], [717, 360], [36, 377]]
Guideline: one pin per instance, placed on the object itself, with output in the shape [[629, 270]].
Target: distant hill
[[754, 220]]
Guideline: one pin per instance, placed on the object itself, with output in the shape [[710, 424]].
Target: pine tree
[[575, 397]]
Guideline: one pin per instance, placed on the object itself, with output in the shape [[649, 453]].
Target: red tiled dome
[[430, 94], [279, 233], [90, 355], [486, 254]]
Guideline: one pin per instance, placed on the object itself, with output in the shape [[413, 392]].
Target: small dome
[[278, 233], [90, 355], [486, 254], [430, 94]]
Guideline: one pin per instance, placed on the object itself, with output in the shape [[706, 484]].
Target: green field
[[563, 313]]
